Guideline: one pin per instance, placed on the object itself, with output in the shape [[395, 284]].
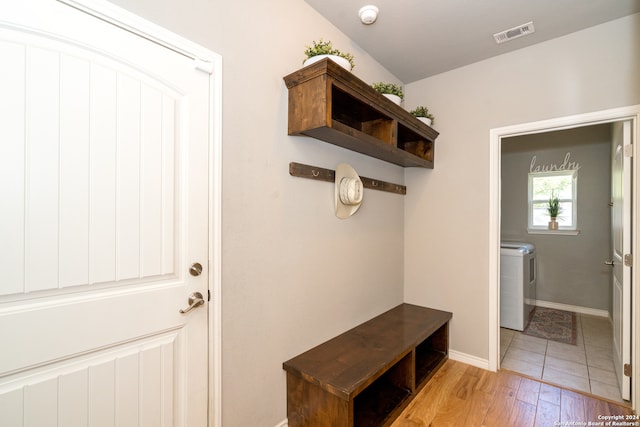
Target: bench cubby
[[369, 374]]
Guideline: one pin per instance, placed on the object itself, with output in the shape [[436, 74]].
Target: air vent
[[514, 33]]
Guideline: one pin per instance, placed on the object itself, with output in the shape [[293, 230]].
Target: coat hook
[[328, 175]]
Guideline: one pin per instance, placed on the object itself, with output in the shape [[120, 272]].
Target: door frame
[[209, 62], [632, 114]]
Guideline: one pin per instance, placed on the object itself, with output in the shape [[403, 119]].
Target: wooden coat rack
[[328, 175]]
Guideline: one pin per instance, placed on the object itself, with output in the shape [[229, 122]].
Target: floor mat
[[551, 324]]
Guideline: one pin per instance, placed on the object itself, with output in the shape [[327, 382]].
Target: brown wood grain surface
[[463, 395], [369, 374], [331, 104]]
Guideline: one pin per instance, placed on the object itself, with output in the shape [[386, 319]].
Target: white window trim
[[540, 229], [553, 232]]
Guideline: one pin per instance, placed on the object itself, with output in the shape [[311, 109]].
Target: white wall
[[293, 274], [447, 211]]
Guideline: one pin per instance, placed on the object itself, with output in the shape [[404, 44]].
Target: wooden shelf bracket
[[321, 174]]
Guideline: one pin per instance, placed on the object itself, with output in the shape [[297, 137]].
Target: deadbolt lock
[[195, 269]]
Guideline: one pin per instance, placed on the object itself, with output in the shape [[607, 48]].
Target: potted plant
[[553, 209], [392, 91], [423, 114], [322, 49]]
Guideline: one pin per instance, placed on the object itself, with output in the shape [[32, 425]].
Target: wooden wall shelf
[[330, 103], [369, 374]]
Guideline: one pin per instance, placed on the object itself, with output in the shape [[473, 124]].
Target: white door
[[621, 236], [104, 208]]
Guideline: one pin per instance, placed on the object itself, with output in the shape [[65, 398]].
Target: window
[[544, 185]]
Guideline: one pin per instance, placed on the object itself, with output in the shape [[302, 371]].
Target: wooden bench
[[367, 375]]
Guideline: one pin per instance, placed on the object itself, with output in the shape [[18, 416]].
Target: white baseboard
[[283, 423], [469, 359], [574, 308]]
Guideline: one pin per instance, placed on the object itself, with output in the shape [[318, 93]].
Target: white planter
[[393, 98], [424, 120], [344, 63]]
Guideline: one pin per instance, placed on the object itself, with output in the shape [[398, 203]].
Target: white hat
[[348, 192]]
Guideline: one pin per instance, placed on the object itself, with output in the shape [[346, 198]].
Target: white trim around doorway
[[495, 139]]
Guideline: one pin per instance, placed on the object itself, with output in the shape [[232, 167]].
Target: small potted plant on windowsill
[[422, 113], [553, 209], [322, 49], [392, 91]]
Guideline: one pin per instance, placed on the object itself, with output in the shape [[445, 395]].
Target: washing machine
[[517, 284]]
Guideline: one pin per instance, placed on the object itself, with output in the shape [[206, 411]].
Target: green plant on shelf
[[421, 111], [388, 88], [322, 47]]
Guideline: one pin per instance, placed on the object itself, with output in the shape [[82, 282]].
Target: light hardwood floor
[[463, 395]]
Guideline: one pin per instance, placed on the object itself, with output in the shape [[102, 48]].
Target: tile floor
[[586, 366]]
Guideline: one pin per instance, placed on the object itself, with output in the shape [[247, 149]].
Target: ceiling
[[415, 39]]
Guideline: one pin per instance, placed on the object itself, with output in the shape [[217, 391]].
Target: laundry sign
[[566, 165]]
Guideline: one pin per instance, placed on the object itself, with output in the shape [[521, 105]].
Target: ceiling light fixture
[[368, 14]]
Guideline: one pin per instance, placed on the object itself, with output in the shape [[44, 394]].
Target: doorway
[[498, 136], [570, 340]]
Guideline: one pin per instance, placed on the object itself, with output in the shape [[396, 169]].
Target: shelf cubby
[[331, 104], [369, 374], [431, 354]]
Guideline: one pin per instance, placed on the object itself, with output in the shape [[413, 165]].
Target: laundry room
[[570, 260], [561, 266]]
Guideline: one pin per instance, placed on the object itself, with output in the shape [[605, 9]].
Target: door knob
[[610, 262], [195, 300]]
